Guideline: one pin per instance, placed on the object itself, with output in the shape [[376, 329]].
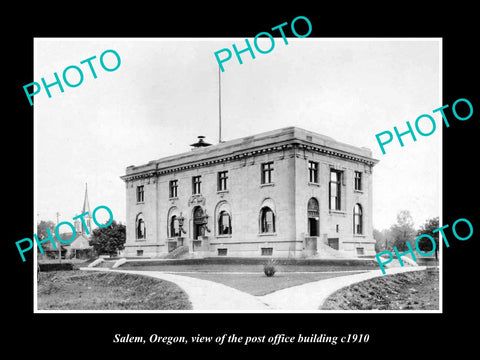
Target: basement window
[[267, 251]]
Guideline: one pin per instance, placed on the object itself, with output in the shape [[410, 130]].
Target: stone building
[[283, 193]]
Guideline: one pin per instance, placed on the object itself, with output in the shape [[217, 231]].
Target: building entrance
[[198, 223], [313, 214]]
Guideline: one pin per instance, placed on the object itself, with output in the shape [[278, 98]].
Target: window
[[223, 218], [313, 172], [267, 251], [173, 186], [333, 243], [224, 223], [267, 169], [267, 219], [335, 189], [358, 180], [357, 219], [140, 194], [140, 227], [313, 214], [360, 251], [222, 180], [139, 252], [196, 182], [174, 228], [222, 252]]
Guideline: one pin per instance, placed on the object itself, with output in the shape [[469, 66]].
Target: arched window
[[174, 228], [140, 227], [357, 219], [223, 218], [224, 223], [267, 220], [313, 213], [173, 222]]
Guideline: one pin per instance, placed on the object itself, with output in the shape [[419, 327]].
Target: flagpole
[[219, 107]]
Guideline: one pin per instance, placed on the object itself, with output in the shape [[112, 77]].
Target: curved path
[[204, 294], [210, 296], [311, 296]]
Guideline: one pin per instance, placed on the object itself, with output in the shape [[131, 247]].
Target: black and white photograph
[[261, 187], [275, 189]]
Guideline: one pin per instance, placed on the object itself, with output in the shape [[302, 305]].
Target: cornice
[[158, 171], [338, 153]]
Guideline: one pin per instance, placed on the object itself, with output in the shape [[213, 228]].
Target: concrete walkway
[[211, 296], [204, 294], [312, 295]]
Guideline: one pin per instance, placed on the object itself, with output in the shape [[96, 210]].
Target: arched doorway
[[198, 222], [140, 230], [313, 214]]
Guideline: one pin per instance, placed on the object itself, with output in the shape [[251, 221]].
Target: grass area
[[77, 290], [258, 268], [416, 290], [259, 284], [252, 280]]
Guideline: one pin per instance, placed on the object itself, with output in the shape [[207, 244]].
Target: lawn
[[248, 276], [258, 284], [417, 290], [245, 268], [77, 290]]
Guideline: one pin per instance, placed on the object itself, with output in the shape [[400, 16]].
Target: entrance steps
[[108, 264], [326, 252], [181, 252]]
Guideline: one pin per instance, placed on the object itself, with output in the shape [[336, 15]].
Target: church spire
[[87, 218], [86, 205]]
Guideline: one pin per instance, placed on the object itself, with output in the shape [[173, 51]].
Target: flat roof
[[283, 136]]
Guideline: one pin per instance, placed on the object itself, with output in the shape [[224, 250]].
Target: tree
[[383, 240], [425, 244], [42, 228], [379, 240], [403, 230], [108, 240]]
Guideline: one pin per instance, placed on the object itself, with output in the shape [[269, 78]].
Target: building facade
[[281, 193]]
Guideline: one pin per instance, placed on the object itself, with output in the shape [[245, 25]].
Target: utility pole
[[58, 242]]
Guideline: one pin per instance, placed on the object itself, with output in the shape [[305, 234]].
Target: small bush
[[269, 268]]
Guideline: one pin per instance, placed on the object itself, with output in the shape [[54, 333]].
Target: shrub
[[269, 268]]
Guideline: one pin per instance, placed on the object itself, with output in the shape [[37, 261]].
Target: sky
[[165, 93]]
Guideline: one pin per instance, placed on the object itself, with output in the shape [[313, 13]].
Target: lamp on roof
[[200, 143]]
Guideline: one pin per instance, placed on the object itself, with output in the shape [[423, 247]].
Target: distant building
[[88, 218], [283, 193], [79, 247]]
